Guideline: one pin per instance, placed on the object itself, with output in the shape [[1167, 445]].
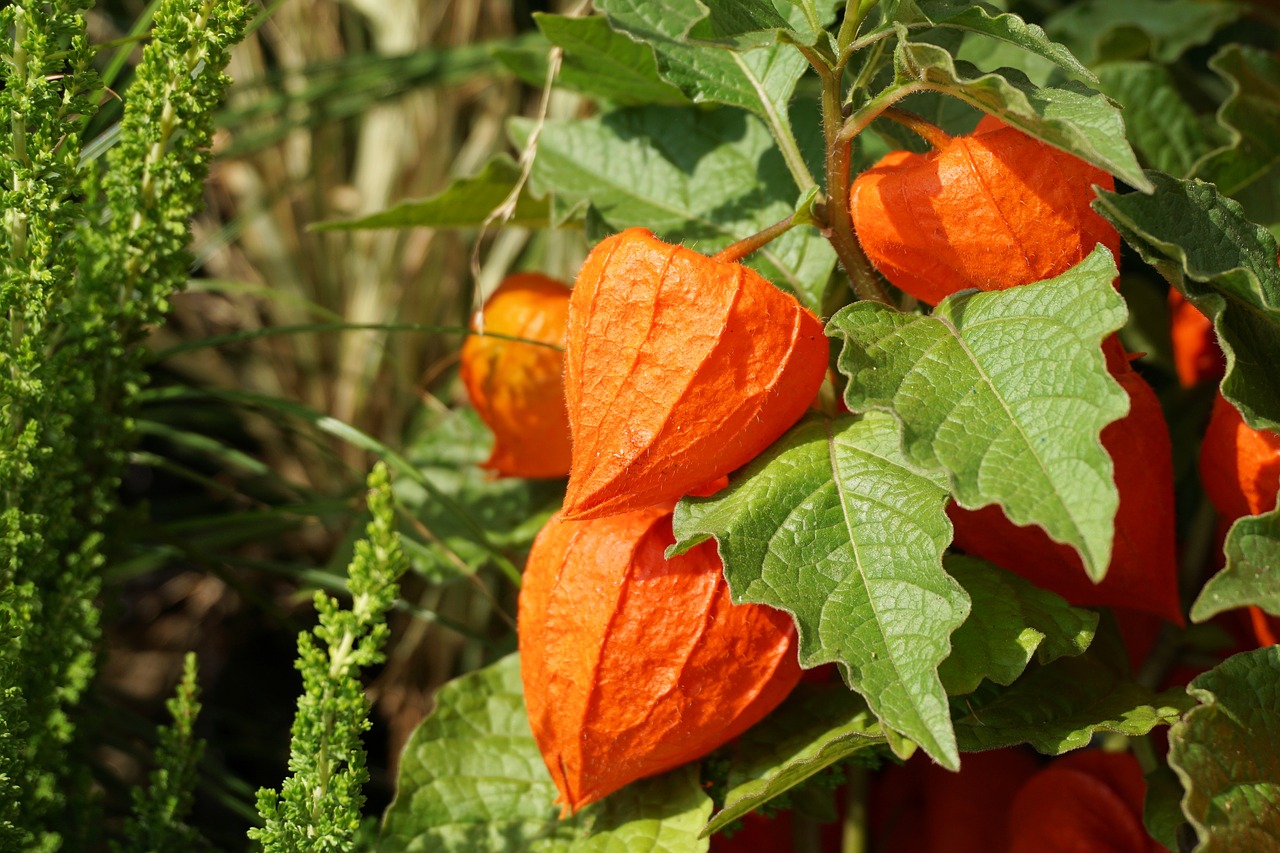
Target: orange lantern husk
[[678, 369], [1143, 573], [1239, 465], [990, 211], [517, 388], [1196, 354], [633, 664]]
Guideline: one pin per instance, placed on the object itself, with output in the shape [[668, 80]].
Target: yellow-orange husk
[[518, 388], [992, 210], [1239, 465], [633, 664], [1143, 573], [678, 369]]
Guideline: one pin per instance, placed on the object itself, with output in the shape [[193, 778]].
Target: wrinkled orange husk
[[1239, 465], [634, 664], [518, 388], [678, 370], [1196, 354], [993, 210], [1143, 573], [1087, 800]]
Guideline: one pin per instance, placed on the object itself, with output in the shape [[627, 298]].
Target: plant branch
[[926, 130], [739, 250]]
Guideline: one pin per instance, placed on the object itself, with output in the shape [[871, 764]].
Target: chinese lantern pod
[[990, 211], [1239, 465], [1087, 800], [1196, 354], [634, 664], [678, 369], [1143, 572], [518, 388]]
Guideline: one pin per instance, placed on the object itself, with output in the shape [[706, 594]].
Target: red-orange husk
[[518, 388], [678, 370], [992, 210], [1196, 354], [634, 664]]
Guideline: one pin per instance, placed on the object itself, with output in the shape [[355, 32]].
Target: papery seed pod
[[1143, 572], [992, 210], [634, 664], [1239, 465], [1196, 354], [1087, 800], [679, 368], [518, 388]]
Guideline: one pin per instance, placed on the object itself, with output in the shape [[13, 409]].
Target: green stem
[[937, 138], [853, 830], [739, 250]]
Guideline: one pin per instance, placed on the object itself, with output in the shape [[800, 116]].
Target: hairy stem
[[926, 130], [739, 250], [839, 221]]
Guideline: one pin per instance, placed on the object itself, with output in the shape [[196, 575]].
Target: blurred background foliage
[[296, 358]]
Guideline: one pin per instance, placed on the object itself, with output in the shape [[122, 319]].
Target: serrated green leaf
[[598, 61], [1225, 753], [1007, 392], [1003, 27], [1252, 572], [1101, 31], [761, 80], [707, 178], [817, 726], [1012, 620], [465, 203], [1246, 167], [733, 24], [1204, 245], [1059, 706], [471, 778], [1162, 127], [835, 527], [1070, 116]]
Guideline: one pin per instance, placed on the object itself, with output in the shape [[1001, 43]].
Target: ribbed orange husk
[[678, 369], [1239, 465], [634, 664], [993, 210], [1087, 800], [518, 388], [1143, 573], [1196, 354]]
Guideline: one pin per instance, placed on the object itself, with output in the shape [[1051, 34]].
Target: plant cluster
[[969, 486]]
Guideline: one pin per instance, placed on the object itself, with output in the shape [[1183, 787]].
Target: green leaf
[[1162, 809], [465, 203], [1252, 573], [733, 24], [1012, 620], [1204, 245], [1070, 116], [761, 80], [1163, 128], [1225, 752], [817, 726], [834, 526], [471, 778], [1007, 392], [710, 178], [1246, 167], [598, 61], [1101, 31], [1059, 706], [1007, 28]]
